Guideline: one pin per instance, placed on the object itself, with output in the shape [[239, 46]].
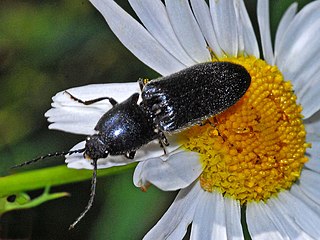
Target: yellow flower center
[[257, 147]]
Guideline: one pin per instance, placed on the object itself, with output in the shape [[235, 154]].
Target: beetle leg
[[130, 155], [162, 145], [207, 121], [202, 123], [163, 141], [163, 138], [142, 82], [89, 102]]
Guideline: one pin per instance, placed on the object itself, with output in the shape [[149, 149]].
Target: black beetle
[[169, 104]]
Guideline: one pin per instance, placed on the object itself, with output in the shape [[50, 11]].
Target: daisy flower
[[260, 156]]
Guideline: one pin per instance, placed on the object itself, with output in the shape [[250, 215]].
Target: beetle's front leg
[[142, 82], [89, 102]]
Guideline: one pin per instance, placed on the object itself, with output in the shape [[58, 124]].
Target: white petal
[[137, 39], [153, 15], [187, 30], [308, 95], [225, 25], [233, 219], [173, 224], [264, 28], [293, 43], [285, 223], [240, 27], [202, 14], [313, 153], [71, 116], [247, 32], [118, 91], [74, 119], [260, 225], [312, 123], [283, 26], [150, 150], [305, 72], [301, 214], [301, 41], [77, 160], [309, 185], [298, 191], [209, 218], [178, 171]]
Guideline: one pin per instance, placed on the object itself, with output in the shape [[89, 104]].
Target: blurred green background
[[50, 46]]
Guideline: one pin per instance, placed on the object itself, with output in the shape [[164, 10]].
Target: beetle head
[[95, 147]]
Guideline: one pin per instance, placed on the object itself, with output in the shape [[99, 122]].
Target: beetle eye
[[106, 153]]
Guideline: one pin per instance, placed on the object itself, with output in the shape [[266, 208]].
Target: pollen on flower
[[257, 147]]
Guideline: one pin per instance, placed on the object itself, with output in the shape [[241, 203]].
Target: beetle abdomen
[[185, 98]]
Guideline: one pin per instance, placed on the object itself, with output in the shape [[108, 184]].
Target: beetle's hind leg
[[213, 123], [89, 102], [163, 141]]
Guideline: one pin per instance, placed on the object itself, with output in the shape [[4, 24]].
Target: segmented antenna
[[57, 154], [92, 194]]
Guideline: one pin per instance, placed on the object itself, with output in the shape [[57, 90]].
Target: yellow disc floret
[[257, 147]]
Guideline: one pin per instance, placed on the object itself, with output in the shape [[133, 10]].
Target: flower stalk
[[53, 176]]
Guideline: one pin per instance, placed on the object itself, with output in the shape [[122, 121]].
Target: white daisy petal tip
[[69, 114], [78, 161], [264, 28], [139, 180]]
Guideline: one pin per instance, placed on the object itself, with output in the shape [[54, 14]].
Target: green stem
[[23, 201], [53, 176]]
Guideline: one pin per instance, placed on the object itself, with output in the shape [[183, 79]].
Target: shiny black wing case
[[194, 94]]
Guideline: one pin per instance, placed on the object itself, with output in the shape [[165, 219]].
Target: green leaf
[[53, 176], [23, 201]]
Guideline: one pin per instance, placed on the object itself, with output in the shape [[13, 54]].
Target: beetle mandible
[[169, 104]]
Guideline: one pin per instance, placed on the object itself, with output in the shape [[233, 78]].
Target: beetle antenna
[[92, 194], [56, 154]]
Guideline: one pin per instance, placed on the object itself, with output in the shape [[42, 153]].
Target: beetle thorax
[[95, 147]]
